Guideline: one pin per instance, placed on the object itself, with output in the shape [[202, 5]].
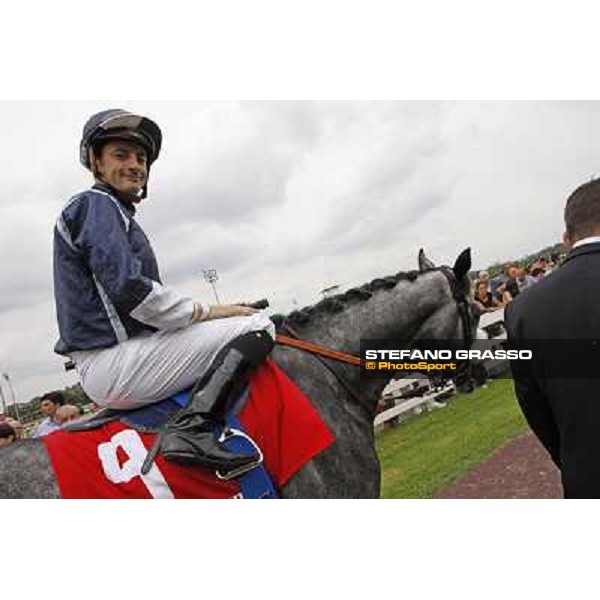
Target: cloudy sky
[[287, 198]]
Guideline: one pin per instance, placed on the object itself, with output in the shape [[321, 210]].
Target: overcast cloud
[[287, 198]]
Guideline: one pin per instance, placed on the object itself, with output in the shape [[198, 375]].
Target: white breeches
[[151, 367]]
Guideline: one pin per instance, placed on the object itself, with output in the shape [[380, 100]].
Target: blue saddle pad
[[152, 417]]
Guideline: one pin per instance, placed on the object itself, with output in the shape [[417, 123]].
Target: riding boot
[[191, 437]]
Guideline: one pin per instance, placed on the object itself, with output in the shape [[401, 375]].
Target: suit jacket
[[563, 413]]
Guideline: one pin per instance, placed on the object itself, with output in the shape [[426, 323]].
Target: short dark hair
[[582, 210], [6, 431], [54, 397]]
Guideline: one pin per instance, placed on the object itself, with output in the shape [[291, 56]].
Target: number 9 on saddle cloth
[[253, 479]]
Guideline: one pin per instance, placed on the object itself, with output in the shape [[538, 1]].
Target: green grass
[[430, 451]]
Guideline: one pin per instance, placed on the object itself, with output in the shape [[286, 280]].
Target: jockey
[[133, 340]]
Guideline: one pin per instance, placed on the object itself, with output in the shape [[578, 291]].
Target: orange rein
[[284, 340]]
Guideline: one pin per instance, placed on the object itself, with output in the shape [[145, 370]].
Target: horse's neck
[[401, 313], [397, 314]]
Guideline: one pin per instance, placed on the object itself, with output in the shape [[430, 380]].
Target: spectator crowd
[[494, 293], [56, 410]]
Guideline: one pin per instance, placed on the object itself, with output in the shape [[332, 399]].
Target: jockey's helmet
[[118, 124]]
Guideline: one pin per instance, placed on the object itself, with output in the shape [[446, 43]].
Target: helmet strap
[[93, 166], [144, 191]]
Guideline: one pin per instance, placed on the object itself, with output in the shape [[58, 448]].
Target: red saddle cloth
[[106, 462]]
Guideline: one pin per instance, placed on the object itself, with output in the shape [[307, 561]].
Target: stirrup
[[228, 433]]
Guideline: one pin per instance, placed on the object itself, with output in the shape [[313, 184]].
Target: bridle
[[293, 339], [459, 294]]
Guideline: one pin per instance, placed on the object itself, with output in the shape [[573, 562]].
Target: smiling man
[[133, 340], [122, 166]]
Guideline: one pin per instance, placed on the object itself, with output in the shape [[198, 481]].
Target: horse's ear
[[424, 263], [463, 264]]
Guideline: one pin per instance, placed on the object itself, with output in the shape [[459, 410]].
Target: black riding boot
[[190, 438]]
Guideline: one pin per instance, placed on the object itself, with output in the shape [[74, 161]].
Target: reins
[[321, 352], [295, 342]]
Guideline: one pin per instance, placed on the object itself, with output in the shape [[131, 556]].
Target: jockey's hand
[[222, 311], [261, 304]]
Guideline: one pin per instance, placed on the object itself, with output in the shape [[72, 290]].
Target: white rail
[[428, 401]]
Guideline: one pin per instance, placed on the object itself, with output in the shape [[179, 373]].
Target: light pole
[[3, 401], [211, 276], [12, 393]]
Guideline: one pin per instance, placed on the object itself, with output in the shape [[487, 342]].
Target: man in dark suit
[[564, 413]]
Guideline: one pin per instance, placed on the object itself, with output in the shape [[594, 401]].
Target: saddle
[[146, 419]]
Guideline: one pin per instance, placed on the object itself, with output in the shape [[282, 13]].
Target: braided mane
[[339, 302]]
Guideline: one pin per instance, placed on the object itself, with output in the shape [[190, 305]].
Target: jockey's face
[[123, 166]]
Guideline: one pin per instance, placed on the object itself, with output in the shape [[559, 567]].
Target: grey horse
[[408, 306]]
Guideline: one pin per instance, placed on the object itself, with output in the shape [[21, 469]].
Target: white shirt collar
[[588, 240]]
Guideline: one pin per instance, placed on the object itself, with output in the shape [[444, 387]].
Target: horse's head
[[462, 316]]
